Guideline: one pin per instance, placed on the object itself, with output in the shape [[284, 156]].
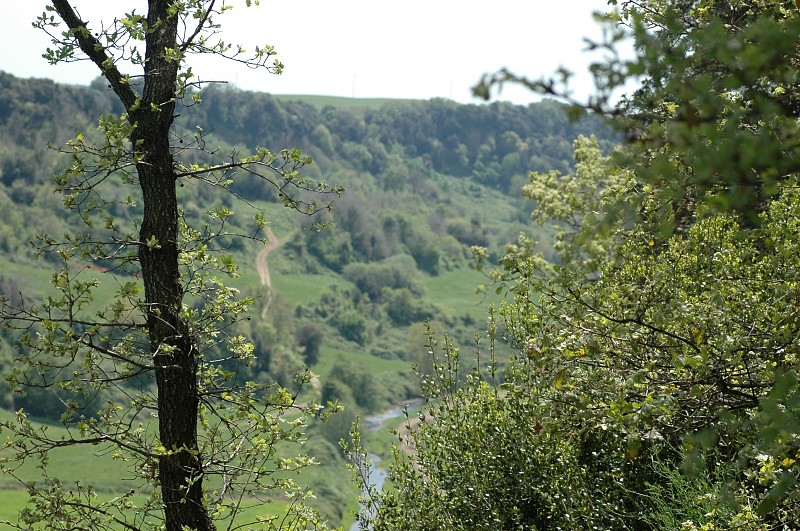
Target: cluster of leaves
[[655, 383]]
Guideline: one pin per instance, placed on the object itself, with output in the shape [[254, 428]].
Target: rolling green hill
[[425, 180]]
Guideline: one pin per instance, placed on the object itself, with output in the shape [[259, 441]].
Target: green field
[[93, 466], [12, 500], [455, 291]]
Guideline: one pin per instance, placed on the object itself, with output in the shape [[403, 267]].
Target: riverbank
[[374, 423]]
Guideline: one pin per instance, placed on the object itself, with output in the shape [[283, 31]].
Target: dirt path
[[266, 280], [263, 268], [261, 260]]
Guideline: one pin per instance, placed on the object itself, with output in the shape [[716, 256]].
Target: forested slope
[[425, 180]]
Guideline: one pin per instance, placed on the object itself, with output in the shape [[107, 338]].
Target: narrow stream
[[373, 423]]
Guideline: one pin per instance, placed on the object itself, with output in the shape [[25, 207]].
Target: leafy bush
[[486, 459], [371, 279], [352, 326], [425, 251], [403, 308], [467, 232], [331, 247], [309, 337], [364, 389]]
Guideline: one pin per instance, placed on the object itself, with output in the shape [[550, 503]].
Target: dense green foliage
[[499, 143], [409, 207], [655, 382]]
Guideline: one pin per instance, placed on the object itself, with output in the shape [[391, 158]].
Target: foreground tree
[[661, 351], [652, 389], [152, 353]]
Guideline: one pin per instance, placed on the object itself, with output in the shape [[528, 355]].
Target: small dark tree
[[150, 343], [309, 338]]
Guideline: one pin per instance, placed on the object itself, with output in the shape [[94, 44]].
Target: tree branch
[[200, 25], [95, 51]]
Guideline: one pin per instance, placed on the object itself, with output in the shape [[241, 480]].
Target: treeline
[[426, 180], [491, 144]]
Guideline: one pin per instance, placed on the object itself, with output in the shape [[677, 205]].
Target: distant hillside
[[425, 180]]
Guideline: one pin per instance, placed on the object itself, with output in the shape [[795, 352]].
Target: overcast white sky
[[363, 48]]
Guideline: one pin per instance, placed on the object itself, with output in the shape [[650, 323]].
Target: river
[[371, 423]]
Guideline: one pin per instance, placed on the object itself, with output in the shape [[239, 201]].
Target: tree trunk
[[180, 470], [172, 346]]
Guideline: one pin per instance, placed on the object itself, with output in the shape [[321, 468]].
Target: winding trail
[[266, 280], [263, 269]]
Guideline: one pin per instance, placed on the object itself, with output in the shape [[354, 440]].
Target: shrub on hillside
[[309, 338], [394, 273], [403, 308], [352, 326]]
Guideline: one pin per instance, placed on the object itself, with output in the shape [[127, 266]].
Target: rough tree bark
[[180, 469]]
